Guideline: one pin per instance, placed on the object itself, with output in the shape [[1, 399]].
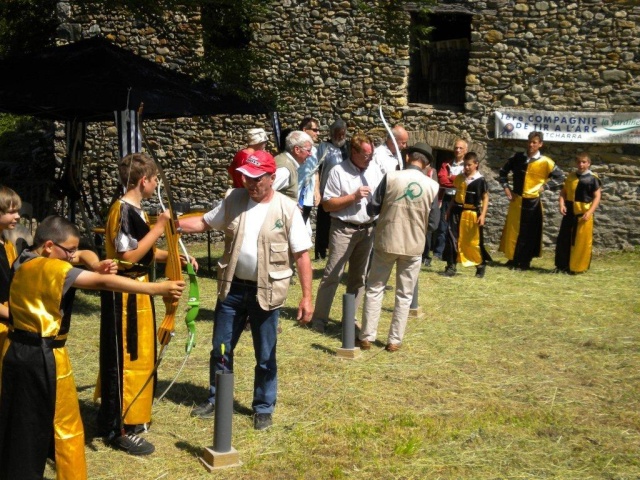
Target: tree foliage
[[26, 25]]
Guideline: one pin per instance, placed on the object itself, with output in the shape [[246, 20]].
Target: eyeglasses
[[306, 149], [313, 129], [69, 251], [365, 155]]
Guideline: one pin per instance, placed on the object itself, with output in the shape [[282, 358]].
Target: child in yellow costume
[[10, 204], [39, 411], [579, 198], [127, 327], [466, 218]]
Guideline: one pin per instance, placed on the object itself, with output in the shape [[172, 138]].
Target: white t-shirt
[[247, 266]]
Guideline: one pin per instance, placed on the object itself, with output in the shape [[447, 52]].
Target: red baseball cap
[[257, 164]]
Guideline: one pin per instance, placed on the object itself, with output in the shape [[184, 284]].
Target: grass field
[[520, 375]]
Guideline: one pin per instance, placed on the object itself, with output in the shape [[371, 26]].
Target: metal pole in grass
[[414, 309], [222, 454], [348, 350]]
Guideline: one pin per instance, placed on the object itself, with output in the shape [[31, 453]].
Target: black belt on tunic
[[34, 339]]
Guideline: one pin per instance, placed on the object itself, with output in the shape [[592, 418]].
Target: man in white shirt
[[346, 194], [386, 155], [264, 233]]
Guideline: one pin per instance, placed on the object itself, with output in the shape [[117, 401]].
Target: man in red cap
[[264, 234]]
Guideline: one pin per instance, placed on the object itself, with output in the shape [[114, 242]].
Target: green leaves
[[26, 25]]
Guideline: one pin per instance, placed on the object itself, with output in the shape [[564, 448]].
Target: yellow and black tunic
[[522, 233], [575, 239], [465, 239], [39, 410], [127, 330], [8, 255]]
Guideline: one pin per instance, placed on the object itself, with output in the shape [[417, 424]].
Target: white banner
[[576, 127]]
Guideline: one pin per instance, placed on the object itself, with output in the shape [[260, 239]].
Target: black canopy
[[90, 79]]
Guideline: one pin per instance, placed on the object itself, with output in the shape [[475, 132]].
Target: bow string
[[173, 271], [391, 135]]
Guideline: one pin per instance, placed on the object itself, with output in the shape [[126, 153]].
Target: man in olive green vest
[[298, 146]]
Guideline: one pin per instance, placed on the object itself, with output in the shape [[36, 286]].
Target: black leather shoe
[[480, 271], [262, 421], [450, 271], [204, 410]]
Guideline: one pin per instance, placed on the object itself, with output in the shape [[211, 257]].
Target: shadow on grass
[[182, 393], [323, 348], [206, 315], [87, 305]]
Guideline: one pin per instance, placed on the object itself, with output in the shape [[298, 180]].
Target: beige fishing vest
[[274, 256], [284, 161], [404, 216]]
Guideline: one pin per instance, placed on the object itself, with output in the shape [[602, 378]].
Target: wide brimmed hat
[[422, 148]]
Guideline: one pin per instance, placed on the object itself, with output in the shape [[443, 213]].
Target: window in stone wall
[[438, 69]]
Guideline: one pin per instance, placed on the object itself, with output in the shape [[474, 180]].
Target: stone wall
[[548, 55]]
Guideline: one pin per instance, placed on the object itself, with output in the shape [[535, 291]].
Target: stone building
[[484, 56]]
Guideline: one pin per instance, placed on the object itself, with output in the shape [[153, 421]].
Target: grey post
[[348, 320], [223, 412]]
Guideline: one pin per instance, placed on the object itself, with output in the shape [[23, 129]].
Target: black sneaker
[[262, 421], [132, 444], [137, 429], [480, 269], [204, 410]]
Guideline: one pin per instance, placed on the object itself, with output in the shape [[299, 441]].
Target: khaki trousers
[[407, 271], [346, 244]]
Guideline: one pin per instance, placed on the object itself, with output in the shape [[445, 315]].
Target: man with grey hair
[[329, 154], [386, 155], [298, 147]]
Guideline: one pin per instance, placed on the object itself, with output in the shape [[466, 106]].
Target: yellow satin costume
[[468, 202], [575, 238], [128, 321], [38, 398], [522, 233]]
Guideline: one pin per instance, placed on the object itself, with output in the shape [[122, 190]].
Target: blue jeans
[[230, 320], [441, 232]]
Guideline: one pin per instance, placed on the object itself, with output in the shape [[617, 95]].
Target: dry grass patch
[[519, 375]]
